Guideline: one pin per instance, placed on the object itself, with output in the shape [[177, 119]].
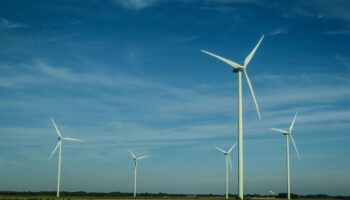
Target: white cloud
[[67, 75], [171, 114], [41, 72], [279, 31], [154, 103], [6, 24], [135, 4]]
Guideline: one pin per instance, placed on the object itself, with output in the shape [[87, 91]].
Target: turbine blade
[[279, 130], [57, 130], [230, 62], [250, 56], [233, 146], [252, 92], [292, 125], [132, 154], [142, 157], [55, 149], [223, 151], [229, 159], [72, 139], [295, 146]]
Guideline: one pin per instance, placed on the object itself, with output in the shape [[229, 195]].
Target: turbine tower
[[288, 135], [228, 161], [135, 168], [237, 68], [59, 145]]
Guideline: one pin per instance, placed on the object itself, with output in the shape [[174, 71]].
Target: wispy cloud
[[337, 32], [224, 9], [345, 61], [174, 115], [66, 74], [6, 24], [135, 4], [41, 72], [279, 31], [231, 1], [224, 6], [183, 39], [337, 9]]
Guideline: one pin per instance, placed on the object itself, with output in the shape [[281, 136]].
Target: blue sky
[[130, 73]]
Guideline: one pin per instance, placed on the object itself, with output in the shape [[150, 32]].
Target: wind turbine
[[228, 160], [135, 168], [288, 135], [237, 68], [59, 145]]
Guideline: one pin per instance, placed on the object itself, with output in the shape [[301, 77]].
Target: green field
[[19, 197]]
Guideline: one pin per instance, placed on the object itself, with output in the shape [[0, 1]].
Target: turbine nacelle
[[284, 132], [236, 70]]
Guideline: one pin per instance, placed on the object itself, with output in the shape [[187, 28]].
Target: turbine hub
[[59, 138], [237, 70]]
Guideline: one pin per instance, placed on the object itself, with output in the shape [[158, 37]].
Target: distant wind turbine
[[135, 168], [288, 135], [59, 145], [228, 161], [237, 68]]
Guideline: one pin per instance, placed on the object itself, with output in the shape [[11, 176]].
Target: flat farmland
[[19, 197]]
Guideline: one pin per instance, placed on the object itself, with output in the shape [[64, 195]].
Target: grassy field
[[11, 197], [18, 197]]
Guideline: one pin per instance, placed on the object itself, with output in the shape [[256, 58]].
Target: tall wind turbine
[[59, 146], [288, 135], [135, 158], [237, 68], [228, 161]]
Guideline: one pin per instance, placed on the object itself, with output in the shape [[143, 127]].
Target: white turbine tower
[[237, 68], [59, 145], [289, 134], [135, 168], [228, 162]]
